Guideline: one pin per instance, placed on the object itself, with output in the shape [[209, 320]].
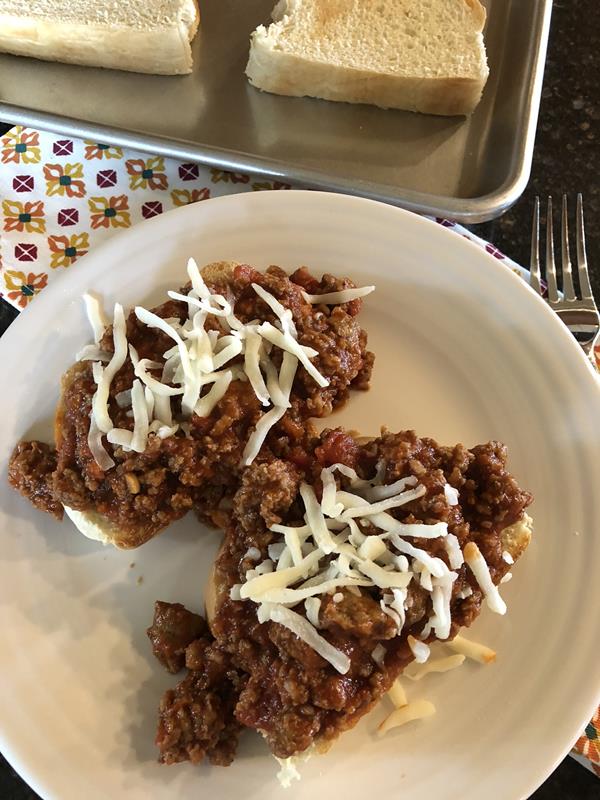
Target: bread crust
[[288, 74], [164, 51]]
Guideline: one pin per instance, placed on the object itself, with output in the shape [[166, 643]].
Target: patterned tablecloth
[[60, 197]]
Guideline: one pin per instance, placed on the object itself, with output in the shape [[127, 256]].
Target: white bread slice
[[135, 35], [417, 55]]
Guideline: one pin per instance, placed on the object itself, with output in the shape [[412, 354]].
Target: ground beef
[[360, 615], [30, 472], [146, 491], [267, 491], [292, 695], [196, 718], [331, 330], [172, 630], [337, 447]]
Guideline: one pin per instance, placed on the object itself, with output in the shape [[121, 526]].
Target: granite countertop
[[566, 159]]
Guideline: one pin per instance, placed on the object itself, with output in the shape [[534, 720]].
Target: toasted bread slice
[[406, 54], [151, 36]]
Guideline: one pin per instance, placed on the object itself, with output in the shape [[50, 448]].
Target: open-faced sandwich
[[343, 559], [338, 569], [160, 415]]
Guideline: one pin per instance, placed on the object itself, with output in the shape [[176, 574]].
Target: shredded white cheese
[[96, 316], [397, 694], [286, 342], [378, 654], [101, 457], [312, 606], [106, 374], [140, 418], [416, 672], [316, 519], [418, 709], [284, 314], [420, 650], [256, 440], [197, 371], [481, 572], [330, 552], [451, 494], [287, 772], [91, 352], [455, 556], [252, 367], [336, 298], [120, 437], [473, 650], [305, 631]]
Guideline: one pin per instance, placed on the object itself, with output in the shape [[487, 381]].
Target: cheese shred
[[473, 650], [418, 709], [416, 672], [202, 355]]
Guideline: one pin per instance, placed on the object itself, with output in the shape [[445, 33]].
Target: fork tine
[[550, 264], [568, 288], [534, 264], [584, 278]]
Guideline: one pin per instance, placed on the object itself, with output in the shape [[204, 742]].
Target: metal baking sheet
[[471, 170]]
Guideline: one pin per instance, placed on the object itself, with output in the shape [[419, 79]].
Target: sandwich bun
[[88, 521]]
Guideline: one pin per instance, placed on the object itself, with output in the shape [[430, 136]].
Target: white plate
[[465, 352]]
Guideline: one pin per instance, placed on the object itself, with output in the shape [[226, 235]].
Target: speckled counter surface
[[567, 159], [567, 148]]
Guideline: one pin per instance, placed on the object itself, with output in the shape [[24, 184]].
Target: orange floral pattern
[[109, 212], [23, 287], [24, 217], [588, 744], [21, 146], [183, 197], [65, 250], [222, 175], [261, 186], [100, 151], [147, 174], [64, 180]]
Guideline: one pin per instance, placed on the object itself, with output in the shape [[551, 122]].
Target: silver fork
[[579, 314]]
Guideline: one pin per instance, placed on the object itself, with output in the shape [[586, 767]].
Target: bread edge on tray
[[302, 53], [151, 37]]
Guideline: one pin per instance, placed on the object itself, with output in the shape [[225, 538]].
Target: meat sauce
[[290, 693], [146, 491]]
